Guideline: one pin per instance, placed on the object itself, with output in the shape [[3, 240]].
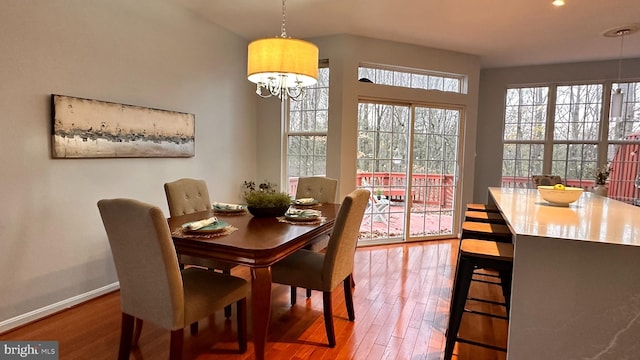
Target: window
[[306, 131], [623, 149], [411, 78], [567, 135], [576, 133], [525, 124]]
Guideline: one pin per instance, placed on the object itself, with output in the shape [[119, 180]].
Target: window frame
[[601, 141], [461, 79], [288, 133]]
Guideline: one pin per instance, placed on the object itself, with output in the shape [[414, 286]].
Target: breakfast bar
[[576, 277]]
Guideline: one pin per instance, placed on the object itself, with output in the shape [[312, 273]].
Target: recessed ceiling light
[[622, 30], [558, 2]]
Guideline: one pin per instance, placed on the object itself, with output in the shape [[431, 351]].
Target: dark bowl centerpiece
[[264, 200]]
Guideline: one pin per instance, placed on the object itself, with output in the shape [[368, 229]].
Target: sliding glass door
[[408, 158]]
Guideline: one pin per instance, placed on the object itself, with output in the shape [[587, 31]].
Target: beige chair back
[[320, 188], [186, 196], [338, 261], [145, 260], [546, 180]]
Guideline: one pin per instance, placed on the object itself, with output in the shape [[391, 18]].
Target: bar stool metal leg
[[461, 286], [475, 254]]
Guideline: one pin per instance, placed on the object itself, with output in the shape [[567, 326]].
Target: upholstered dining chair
[[545, 180], [152, 286], [320, 188], [186, 196], [324, 272]]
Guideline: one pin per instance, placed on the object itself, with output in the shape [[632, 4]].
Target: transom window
[[411, 78]]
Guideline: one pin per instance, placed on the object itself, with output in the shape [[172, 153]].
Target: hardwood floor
[[401, 304]]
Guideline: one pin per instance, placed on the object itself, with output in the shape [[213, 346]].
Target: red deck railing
[[430, 189], [438, 190]]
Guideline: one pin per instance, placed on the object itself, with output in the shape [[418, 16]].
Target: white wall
[[150, 53], [493, 85]]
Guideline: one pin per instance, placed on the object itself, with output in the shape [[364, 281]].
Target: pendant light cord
[[284, 19], [621, 33]]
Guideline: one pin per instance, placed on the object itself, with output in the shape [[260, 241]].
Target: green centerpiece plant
[[265, 200]]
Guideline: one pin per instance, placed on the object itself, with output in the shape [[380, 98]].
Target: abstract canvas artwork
[[85, 128]]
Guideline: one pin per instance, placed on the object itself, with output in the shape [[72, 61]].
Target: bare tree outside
[[576, 139]]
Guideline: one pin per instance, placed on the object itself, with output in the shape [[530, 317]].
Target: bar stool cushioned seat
[[476, 254]]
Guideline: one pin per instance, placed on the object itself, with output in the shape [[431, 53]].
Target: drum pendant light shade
[[296, 61], [616, 103], [282, 66]]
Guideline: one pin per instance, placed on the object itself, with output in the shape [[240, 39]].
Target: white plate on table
[[305, 202]]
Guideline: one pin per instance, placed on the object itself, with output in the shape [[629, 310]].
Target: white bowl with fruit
[[560, 195]]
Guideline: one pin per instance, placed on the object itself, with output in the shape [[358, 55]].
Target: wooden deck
[[425, 221]]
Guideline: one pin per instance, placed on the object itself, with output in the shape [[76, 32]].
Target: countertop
[[591, 218]]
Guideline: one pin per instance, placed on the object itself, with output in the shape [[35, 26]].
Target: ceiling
[[502, 33]]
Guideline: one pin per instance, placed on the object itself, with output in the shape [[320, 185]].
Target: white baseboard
[[37, 314]]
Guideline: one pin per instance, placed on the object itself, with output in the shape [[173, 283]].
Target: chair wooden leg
[[175, 349], [137, 330], [126, 334], [308, 293], [227, 309], [194, 328], [293, 295], [328, 318], [348, 298], [241, 315]]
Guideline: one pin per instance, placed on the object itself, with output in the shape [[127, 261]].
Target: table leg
[[261, 307]]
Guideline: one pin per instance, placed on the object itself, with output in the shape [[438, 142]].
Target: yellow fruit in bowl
[[560, 197], [558, 187]]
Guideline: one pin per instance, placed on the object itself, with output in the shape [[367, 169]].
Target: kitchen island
[[576, 277]]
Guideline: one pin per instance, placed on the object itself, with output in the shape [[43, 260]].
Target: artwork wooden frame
[[86, 128]]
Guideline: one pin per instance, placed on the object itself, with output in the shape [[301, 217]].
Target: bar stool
[[483, 216], [473, 254], [486, 231], [482, 207]]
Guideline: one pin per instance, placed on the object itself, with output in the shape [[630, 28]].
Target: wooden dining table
[[258, 243]]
